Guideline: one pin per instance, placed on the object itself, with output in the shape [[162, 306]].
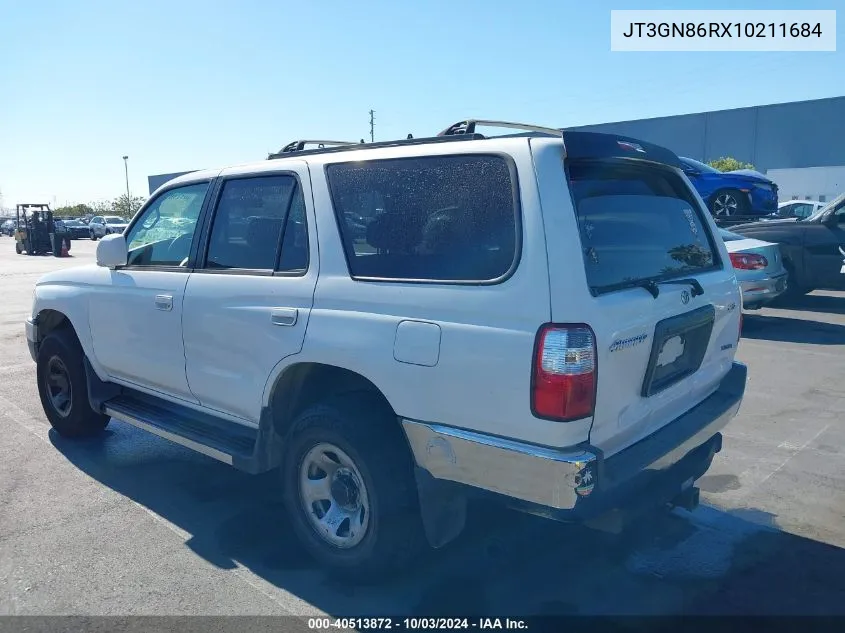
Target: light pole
[[128, 199]]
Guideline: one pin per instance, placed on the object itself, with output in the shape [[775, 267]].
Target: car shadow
[[791, 330], [824, 303], [505, 563]]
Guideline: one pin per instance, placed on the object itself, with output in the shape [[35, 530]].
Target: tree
[[121, 207], [728, 163], [102, 207], [76, 211]]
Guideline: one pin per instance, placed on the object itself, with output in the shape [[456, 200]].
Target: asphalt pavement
[[130, 524]]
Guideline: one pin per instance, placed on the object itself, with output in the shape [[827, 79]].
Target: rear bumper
[[581, 483], [756, 292]]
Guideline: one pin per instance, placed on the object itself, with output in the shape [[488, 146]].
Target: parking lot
[[132, 524]]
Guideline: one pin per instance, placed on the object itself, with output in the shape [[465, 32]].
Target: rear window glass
[[637, 223], [437, 218]]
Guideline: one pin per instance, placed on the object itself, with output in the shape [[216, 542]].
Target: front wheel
[[91, 234], [729, 202], [18, 248], [63, 386], [350, 488]]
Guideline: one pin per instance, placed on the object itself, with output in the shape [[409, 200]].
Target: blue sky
[[185, 84]]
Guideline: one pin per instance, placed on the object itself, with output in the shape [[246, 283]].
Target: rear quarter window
[[435, 218], [638, 221]]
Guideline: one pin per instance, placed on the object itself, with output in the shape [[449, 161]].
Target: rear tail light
[[563, 384], [748, 261]]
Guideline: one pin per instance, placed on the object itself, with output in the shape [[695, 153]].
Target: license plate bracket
[[680, 343]]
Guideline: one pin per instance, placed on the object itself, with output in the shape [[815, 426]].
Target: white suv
[[547, 318]]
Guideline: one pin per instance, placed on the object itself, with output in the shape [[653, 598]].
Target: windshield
[[114, 220], [831, 206], [689, 162]]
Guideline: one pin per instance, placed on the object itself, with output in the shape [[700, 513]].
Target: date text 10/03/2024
[[417, 624]]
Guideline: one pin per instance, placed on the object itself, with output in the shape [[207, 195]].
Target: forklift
[[38, 233]]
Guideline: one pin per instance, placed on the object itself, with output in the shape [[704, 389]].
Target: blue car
[[735, 193]]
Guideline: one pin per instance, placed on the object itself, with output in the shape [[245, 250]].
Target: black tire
[[364, 428], [726, 203], [61, 350], [794, 290], [18, 248], [93, 237]]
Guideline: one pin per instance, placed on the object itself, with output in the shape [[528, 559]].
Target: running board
[[225, 441]]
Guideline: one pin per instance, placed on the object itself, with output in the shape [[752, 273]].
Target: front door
[[136, 311], [825, 244], [248, 301]]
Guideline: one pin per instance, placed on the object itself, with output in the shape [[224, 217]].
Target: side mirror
[[111, 251]]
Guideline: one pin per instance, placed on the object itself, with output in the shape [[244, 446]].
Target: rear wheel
[[350, 489], [728, 202], [18, 248], [63, 387], [794, 290]]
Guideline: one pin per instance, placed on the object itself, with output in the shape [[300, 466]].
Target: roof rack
[[298, 146], [468, 127], [343, 146]]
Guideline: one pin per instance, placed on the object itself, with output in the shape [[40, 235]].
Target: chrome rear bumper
[[561, 479]]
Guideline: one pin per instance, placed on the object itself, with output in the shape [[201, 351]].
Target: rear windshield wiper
[[653, 287], [696, 286]]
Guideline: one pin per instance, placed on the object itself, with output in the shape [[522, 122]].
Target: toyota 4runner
[[547, 318]]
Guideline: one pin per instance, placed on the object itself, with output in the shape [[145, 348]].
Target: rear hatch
[[654, 284]]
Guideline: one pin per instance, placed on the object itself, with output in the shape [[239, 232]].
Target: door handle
[[284, 316], [164, 302]]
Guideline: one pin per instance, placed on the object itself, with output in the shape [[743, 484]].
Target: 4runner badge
[[626, 343]]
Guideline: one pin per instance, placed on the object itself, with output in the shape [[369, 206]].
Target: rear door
[[642, 265]]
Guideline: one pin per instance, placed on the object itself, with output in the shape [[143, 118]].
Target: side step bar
[[226, 441]]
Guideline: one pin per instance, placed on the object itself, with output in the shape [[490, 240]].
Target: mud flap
[[443, 508]]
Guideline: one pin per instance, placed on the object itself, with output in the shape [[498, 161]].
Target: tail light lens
[[748, 261], [563, 385]]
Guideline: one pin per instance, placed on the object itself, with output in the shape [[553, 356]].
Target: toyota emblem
[[685, 297]]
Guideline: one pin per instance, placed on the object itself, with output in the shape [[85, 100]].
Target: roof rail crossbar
[[346, 147], [468, 127], [298, 146]]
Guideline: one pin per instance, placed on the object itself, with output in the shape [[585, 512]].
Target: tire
[[728, 202], [369, 437], [793, 291], [60, 363], [18, 248], [93, 237]]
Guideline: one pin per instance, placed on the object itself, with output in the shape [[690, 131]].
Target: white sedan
[[798, 209]]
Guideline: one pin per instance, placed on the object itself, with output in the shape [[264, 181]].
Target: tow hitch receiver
[[688, 499]]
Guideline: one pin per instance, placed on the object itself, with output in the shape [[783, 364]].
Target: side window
[[803, 210], [97, 220], [162, 235], [437, 218], [294, 257], [248, 222]]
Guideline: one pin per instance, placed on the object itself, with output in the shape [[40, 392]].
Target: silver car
[[102, 225], [759, 268]]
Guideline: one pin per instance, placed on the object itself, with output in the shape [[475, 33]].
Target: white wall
[[811, 183]]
